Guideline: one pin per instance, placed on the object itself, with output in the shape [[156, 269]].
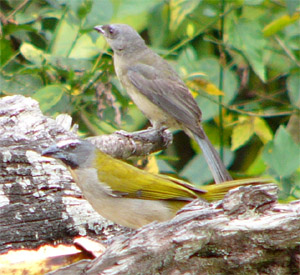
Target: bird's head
[[74, 153], [122, 38]]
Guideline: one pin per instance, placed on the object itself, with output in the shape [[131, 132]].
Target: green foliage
[[282, 154], [49, 51]]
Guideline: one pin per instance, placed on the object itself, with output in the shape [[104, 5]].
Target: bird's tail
[[213, 160], [218, 191]]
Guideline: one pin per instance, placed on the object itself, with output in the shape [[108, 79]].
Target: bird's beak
[[50, 151], [99, 29]]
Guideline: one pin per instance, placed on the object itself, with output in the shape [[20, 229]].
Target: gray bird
[[158, 91]]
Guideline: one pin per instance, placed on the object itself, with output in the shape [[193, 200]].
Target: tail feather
[[218, 191], [213, 160]]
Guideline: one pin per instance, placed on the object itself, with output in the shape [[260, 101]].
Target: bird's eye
[[111, 30], [72, 145]]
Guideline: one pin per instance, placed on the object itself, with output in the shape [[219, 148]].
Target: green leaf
[[25, 84], [211, 68], [74, 5], [84, 8], [197, 170], [100, 13], [133, 13], [282, 154], [66, 35], [257, 167], [179, 10], [84, 48], [165, 167], [246, 36], [126, 8], [292, 6], [6, 51], [133, 119], [49, 96], [32, 13], [69, 64], [158, 30], [253, 2], [189, 64]]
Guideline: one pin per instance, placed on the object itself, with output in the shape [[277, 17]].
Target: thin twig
[[17, 9], [287, 51]]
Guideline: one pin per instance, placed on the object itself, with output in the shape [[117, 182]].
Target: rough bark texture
[[124, 145], [248, 232]]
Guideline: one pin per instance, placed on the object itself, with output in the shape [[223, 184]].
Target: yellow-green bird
[[125, 194]]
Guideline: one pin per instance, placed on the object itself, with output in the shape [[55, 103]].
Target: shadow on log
[[247, 232]]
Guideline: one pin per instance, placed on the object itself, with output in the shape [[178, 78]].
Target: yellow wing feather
[[144, 185]]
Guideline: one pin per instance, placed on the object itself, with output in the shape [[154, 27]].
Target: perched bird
[[158, 91], [125, 194]]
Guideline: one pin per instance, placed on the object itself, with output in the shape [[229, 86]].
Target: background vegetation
[[240, 59]]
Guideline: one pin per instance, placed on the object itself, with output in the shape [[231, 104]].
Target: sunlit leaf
[[190, 30], [262, 130], [32, 54], [241, 133], [203, 84], [179, 10], [152, 165], [280, 23]]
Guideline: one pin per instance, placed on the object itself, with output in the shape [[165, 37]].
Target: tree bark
[[247, 232]]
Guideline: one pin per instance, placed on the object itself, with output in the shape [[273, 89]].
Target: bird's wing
[[170, 95], [125, 180]]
